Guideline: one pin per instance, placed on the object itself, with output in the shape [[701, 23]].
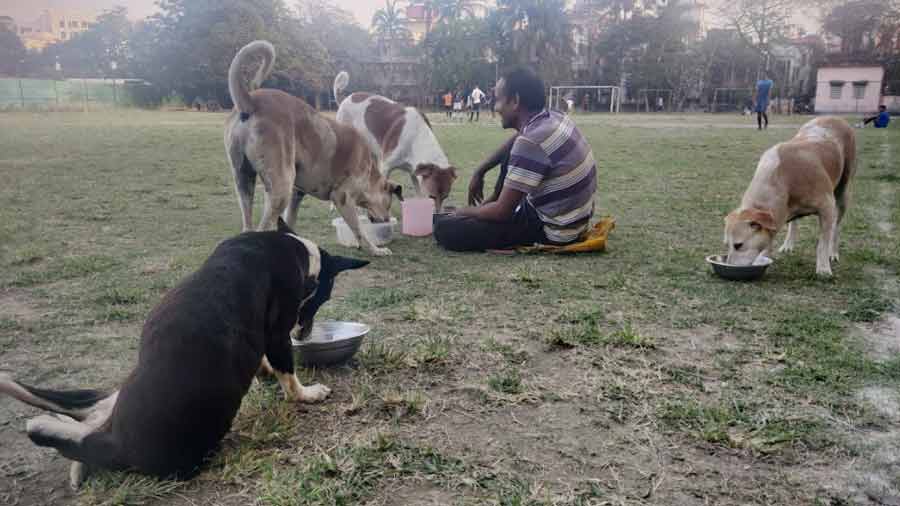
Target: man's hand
[[476, 188]]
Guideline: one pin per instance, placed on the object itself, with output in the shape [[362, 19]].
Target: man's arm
[[500, 210], [476, 184]]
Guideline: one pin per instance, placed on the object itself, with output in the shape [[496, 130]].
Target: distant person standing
[[761, 98], [476, 97], [448, 103]]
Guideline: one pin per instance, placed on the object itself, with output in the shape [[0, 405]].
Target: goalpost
[[613, 92], [731, 99], [650, 98]]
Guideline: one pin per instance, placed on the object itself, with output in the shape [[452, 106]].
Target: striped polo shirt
[[553, 164]]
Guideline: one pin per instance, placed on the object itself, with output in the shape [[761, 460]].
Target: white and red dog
[[401, 137], [809, 174]]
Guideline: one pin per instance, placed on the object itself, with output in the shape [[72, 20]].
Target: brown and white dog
[[401, 137], [297, 151], [199, 351], [809, 174]]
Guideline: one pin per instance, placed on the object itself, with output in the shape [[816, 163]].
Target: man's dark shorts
[[464, 233]]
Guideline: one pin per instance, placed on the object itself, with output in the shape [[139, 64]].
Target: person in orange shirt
[[448, 103]]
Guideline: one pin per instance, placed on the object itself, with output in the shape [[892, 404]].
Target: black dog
[[200, 348]]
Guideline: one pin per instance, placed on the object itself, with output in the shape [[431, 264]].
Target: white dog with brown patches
[[401, 137], [809, 174]]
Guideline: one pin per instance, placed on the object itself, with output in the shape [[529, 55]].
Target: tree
[[760, 23], [456, 54], [91, 53], [12, 52], [389, 26], [453, 10], [535, 33], [867, 28], [190, 44]]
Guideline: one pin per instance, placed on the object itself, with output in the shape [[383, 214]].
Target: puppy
[[809, 174], [297, 151], [200, 348], [401, 137]]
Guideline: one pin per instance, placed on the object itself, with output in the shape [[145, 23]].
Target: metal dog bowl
[[739, 272], [330, 343]]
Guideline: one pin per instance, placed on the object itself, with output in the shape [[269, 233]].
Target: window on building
[[62, 35], [73, 24], [859, 89], [62, 24], [836, 88]]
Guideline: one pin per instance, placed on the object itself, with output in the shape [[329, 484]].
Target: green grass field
[[628, 377]]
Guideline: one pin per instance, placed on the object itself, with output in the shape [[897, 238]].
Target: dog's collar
[[245, 116]]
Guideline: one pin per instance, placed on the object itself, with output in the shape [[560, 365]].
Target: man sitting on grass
[[545, 191], [881, 120]]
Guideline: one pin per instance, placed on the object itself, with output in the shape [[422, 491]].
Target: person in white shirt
[[477, 96]]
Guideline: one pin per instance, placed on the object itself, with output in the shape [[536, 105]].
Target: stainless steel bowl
[[330, 343], [739, 272]]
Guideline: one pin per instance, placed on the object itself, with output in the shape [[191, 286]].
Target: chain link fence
[[74, 94]]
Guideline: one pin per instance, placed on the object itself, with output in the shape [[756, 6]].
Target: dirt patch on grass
[[882, 337], [16, 305]]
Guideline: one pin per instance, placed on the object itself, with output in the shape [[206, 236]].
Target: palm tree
[[389, 25]]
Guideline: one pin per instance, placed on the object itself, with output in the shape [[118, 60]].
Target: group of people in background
[[470, 102]]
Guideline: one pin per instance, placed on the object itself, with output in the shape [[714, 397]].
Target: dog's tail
[[340, 84], [74, 403], [240, 93]]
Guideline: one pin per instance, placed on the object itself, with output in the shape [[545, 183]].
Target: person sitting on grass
[[545, 190], [881, 120]]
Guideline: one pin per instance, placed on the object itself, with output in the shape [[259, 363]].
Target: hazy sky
[[27, 10]]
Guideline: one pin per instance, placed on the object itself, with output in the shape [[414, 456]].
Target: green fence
[[71, 94]]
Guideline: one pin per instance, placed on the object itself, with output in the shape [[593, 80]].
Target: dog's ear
[[425, 169], [397, 190], [759, 219], [283, 227], [340, 264]]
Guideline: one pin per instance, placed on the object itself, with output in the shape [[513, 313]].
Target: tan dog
[[809, 174], [297, 151], [401, 137]]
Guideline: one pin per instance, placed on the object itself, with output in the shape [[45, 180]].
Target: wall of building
[[848, 103]]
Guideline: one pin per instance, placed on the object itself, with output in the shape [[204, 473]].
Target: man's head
[[519, 94], [882, 108]]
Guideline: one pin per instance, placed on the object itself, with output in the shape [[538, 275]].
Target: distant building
[[842, 89], [9, 24], [50, 27]]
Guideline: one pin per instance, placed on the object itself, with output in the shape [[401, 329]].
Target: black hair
[[882, 106], [525, 82]]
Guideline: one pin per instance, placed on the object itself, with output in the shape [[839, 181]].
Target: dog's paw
[[381, 252], [77, 475], [786, 248], [834, 257], [39, 424], [824, 272], [314, 393]]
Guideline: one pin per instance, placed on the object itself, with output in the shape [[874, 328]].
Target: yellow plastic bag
[[594, 240]]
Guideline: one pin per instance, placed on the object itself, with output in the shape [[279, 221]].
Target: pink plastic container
[[416, 215]]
